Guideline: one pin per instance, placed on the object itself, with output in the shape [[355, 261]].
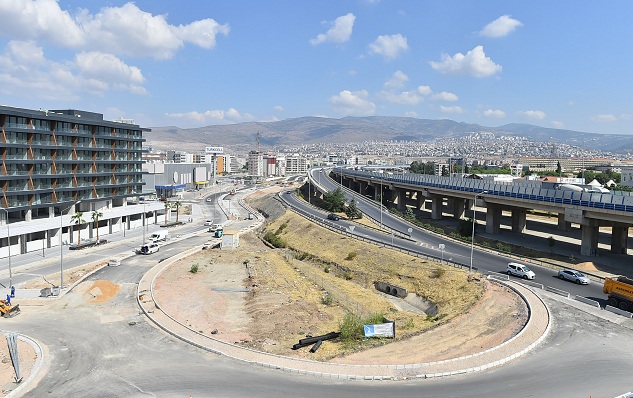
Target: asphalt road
[[111, 350], [427, 243]]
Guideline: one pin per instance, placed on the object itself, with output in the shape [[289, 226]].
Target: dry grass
[[450, 289]]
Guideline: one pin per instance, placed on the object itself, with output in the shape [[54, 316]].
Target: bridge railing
[[519, 190]]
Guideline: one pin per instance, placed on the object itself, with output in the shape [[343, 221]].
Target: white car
[[520, 270], [208, 223]]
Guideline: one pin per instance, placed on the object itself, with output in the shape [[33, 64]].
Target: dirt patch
[[496, 318], [587, 266], [101, 291], [71, 275], [266, 299]]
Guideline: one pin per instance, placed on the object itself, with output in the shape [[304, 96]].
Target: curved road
[[427, 243], [110, 350]]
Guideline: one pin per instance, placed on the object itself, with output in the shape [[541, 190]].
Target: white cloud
[[398, 79], [605, 117], [445, 96], [215, 115], [390, 46], [278, 108], [557, 124], [125, 30], [535, 115], [26, 71], [500, 27], [340, 32], [451, 109], [353, 103], [411, 114], [107, 67], [494, 113], [474, 63]]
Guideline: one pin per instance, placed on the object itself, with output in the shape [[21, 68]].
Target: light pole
[[143, 223], [61, 243], [9, 246], [381, 203], [472, 243]]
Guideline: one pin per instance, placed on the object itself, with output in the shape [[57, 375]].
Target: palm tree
[[177, 204], [167, 206], [78, 220], [95, 218]]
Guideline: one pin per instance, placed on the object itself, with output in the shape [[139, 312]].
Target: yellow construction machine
[[7, 310]]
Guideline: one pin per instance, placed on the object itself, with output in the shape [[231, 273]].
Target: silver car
[[574, 276]]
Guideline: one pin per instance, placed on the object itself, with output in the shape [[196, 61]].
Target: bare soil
[[282, 299]]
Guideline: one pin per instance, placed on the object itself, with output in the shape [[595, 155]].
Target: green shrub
[[351, 326], [351, 256], [281, 228], [327, 299], [438, 273], [275, 240], [504, 248], [326, 269], [348, 276], [194, 268]]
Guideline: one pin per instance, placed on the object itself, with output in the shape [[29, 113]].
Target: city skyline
[[560, 65]]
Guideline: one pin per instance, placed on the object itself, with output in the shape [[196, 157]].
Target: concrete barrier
[[618, 311], [557, 291], [588, 301]]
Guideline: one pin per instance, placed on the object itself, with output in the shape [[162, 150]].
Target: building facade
[[56, 163]]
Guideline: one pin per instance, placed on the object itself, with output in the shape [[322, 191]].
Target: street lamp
[[9, 246], [381, 202], [61, 243], [472, 243]]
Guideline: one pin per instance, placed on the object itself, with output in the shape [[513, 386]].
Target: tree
[[559, 169], [167, 208], [465, 169], [551, 242], [444, 171], [77, 218], [351, 211], [334, 201], [465, 227], [95, 218], [177, 204]]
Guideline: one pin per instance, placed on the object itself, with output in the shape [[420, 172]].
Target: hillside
[[314, 130]]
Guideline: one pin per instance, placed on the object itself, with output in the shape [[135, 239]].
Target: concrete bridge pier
[[493, 218], [401, 199], [436, 209], [589, 237], [518, 219], [562, 224], [619, 238], [457, 206]]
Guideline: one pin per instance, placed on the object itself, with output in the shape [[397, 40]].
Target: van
[[520, 270], [114, 262], [159, 236]]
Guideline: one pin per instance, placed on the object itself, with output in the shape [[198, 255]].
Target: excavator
[[7, 310]]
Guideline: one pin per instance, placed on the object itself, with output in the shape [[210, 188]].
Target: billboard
[[214, 149]]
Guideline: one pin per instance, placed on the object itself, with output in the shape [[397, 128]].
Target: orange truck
[[620, 291]]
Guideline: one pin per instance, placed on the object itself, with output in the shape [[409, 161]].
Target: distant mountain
[[315, 130]]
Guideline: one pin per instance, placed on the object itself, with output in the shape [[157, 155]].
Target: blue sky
[[564, 64]]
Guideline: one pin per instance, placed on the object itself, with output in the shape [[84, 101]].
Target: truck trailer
[[620, 291]]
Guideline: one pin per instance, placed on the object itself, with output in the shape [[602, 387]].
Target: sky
[[562, 64]]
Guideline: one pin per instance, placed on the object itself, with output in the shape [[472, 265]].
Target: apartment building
[[59, 162]]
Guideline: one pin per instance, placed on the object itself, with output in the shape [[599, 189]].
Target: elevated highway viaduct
[[454, 195]]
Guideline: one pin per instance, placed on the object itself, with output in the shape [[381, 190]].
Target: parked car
[[520, 270], [574, 276], [334, 217], [208, 223]]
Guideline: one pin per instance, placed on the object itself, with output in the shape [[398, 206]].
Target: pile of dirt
[[101, 291]]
